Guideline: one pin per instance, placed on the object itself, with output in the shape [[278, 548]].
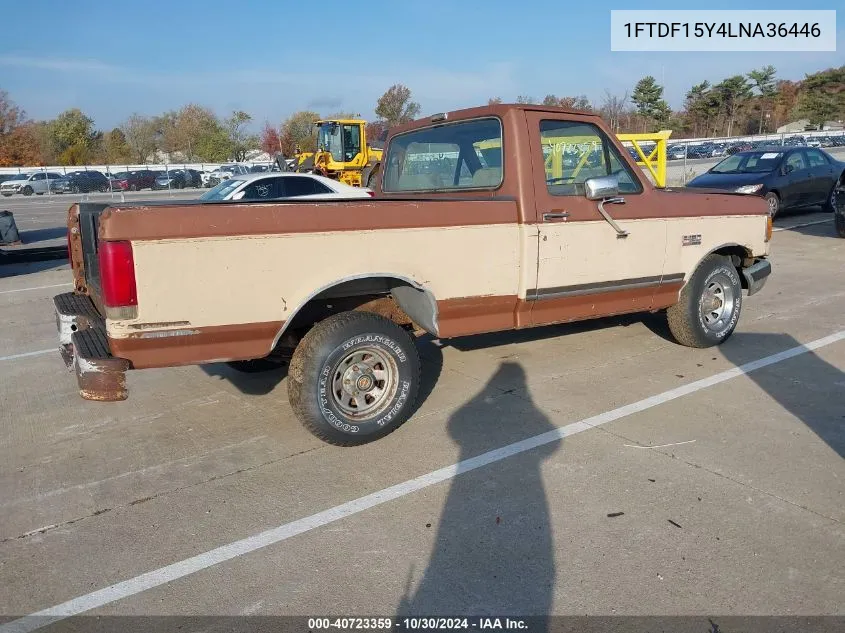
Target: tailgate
[[85, 217]]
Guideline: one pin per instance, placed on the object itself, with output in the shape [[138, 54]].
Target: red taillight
[[372, 194], [117, 274]]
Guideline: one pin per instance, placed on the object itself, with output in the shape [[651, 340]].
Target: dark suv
[[80, 182]]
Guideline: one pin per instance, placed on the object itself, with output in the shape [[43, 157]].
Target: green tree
[[648, 99], [72, 129], [764, 81], [298, 132], [734, 93], [240, 140], [821, 96], [116, 150], [396, 106], [142, 137]]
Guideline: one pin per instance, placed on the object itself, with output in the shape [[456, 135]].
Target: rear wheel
[[133, 187], [839, 221], [773, 200], [709, 305], [354, 378], [830, 204]]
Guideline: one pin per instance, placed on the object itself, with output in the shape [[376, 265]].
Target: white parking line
[[800, 226], [5, 292], [25, 354], [224, 553]]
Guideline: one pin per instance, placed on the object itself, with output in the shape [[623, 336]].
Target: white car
[[225, 172], [283, 185], [28, 184]]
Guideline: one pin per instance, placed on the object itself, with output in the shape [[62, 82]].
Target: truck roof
[[498, 109]]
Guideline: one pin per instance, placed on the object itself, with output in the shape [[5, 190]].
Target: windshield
[[19, 177], [330, 140], [748, 163], [121, 175], [222, 190]]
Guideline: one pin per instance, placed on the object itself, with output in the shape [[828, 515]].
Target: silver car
[[28, 184]]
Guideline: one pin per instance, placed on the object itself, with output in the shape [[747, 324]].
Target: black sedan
[[173, 179], [789, 178], [80, 182]]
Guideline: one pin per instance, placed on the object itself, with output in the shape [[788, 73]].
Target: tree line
[[753, 102]]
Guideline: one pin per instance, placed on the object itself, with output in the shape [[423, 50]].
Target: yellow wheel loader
[[343, 153]]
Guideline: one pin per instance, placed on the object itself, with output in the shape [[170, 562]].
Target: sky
[[273, 57]]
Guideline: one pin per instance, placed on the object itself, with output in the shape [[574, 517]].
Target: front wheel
[[27, 191], [354, 378], [709, 305], [773, 200]]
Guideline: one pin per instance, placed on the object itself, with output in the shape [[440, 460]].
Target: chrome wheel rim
[[364, 382], [773, 205], [717, 303]]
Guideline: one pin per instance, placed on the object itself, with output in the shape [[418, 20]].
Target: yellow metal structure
[[655, 161], [567, 156], [343, 152]]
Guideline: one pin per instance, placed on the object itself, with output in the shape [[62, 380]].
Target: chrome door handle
[[555, 215]]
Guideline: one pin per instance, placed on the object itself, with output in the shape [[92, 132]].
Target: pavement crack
[[744, 484], [163, 493]]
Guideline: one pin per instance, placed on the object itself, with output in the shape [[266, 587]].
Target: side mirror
[[601, 187]]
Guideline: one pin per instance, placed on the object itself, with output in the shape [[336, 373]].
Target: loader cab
[[342, 139]]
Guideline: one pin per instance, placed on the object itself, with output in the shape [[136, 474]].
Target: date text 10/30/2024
[[721, 29], [419, 623]]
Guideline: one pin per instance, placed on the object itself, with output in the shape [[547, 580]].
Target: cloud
[[57, 64]]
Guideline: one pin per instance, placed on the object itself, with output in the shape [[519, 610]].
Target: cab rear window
[[448, 157]]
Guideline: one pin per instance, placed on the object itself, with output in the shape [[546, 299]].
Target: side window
[[461, 155], [264, 189], [40, 177], [295, 186], [574, 152], [796, 161], [816, 158]]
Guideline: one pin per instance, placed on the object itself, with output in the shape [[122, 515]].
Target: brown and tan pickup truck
[[486, 219]]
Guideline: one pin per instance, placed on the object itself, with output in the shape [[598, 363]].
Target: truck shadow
[[494, 550], [806, 386], [261, 383], [539, 333]]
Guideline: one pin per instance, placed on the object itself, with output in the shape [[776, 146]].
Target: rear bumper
[[84, 347], [756, 275]]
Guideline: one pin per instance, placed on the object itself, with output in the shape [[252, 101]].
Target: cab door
[[587, 266]]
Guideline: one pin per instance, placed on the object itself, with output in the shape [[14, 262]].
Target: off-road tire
[[314, 366], [686, 321], [27, 191], [773, 200]]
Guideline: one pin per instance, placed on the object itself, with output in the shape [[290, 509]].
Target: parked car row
[[88, 181], [787, 177]]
